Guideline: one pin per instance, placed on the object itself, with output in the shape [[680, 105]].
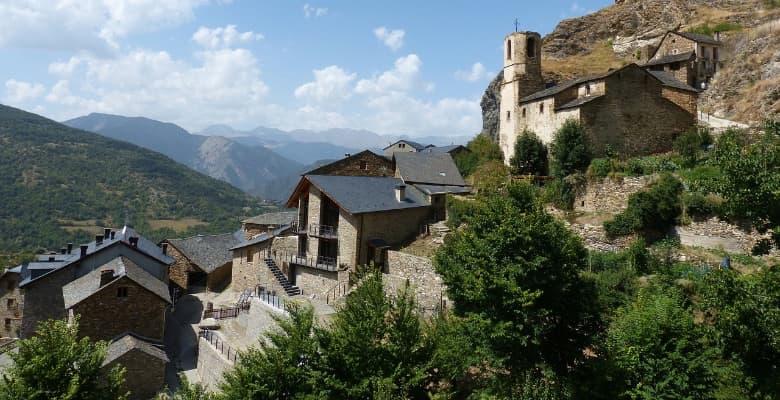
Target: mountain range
[[264, 162], [62, 184]]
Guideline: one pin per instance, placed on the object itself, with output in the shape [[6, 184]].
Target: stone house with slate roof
[[365, 163], [203, 260], [630, 110], [434, 174], [248, 269], [117, 285], [142, 361], [11, 303], [691, 58], [267, 222], [403, 146]]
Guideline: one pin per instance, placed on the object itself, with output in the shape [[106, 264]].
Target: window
[[530, 47], [10, 304], [587, 90], [523, 112], [11, 285], [508, 49], [363, 165], [8, 324], [541, 108], [249, 255], [122, 291], [507, 115], [401, 145]]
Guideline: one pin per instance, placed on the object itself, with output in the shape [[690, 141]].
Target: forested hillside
[[58, 184]]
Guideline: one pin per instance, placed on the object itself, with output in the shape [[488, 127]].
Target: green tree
[[481, 150], [569, 149], [530, 155], [490, 177], [282, 367], [650, 211], [513, 275], [56, 364], [659, 351]]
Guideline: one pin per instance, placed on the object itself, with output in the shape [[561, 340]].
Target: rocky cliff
[[629, 30]]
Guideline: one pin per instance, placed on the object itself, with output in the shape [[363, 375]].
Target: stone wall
[[43, 300], [247, 274], [365, 163], [219, 277], [178, 272], [674, 44], [314, 281], [609, 195], [429, 290], [144, 374], [11, 305], [683, 98], [715, 234], [285, 244], [212, 365], [104, 316], [394, 227], [315, 204]]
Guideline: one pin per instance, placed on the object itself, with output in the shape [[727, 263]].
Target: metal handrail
[[219, 345], [320, 262], [326, 231]]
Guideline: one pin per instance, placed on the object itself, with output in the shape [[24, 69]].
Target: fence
[[225, 312], [320, 262], [223, 347], [336, 292], [270, 298]]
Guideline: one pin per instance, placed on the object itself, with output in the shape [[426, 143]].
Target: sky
[[393, 67]]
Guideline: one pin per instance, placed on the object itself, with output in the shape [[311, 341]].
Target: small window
[[530, 47], [249, 255], [402, 145], [122, 291], [507, 115], [11, 285], [541, 108], [10, 304], [523, 112], [587, 90], [8, 324], [363, 165], [508, 49]]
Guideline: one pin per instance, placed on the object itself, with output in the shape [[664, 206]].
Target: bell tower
[[522, 77]]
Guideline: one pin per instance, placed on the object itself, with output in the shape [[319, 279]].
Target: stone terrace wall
[[716, 234], [609, 195], [212, 365], [419, 272]]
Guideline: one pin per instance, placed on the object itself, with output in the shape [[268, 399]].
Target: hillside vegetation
[[54, 177]]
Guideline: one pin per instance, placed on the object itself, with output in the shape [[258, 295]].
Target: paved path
[[719, 123], [181, 340]]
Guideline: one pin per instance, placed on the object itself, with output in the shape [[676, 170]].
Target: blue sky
[[394, 67]]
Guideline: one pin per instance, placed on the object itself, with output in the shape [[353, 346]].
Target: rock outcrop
[[491, 105]]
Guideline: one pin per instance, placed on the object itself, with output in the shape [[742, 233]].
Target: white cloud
[[311, 11], [394, 39], [92, 25], [18, 92], [476, 74], [404, 76], [226, 37], [330, 84]]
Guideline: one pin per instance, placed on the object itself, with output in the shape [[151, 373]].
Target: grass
[[600, 59], [177, 225]]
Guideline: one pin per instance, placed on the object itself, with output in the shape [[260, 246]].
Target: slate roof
[[63, 260], [671, 58], [82, 288], [566, 85], [442, 189], [276, 218], [318, 169], [130, 342], [365, 194], [208, 252], [579, 101], [262, 237], [444, 149], [428, 168], [701, 38], [669, 80], [417, 146]]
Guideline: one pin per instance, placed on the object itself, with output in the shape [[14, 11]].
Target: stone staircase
[[288, 287]]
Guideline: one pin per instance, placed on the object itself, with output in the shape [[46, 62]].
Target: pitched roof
[[430, 168], [445, 149], [262, 237], [365, 194], [669, 80], [416, 145], [566, 85], [579, 101], [145, 246], [208, 252], [274, 218], [324, 168], [442, 189], [82, 288], [671, 58], [701, 38], [130, 342]]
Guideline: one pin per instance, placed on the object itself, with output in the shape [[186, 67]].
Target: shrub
[[482, 151], [600, 167], [696, 205], [650, 211], [569, 149], [530, 155], [458, 211], [490, 177], [651, 164]]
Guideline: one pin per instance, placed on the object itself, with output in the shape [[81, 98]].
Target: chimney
[[70, 247], [98, 240], [347, 155], [165, 248], [84, 248], [113, 235], [106, 233], [51, 258], [717, 36], [134, 241], [63, 250], [400, 192], [106, 276]]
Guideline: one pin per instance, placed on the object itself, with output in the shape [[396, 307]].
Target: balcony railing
[[324, 231], [320, 262]]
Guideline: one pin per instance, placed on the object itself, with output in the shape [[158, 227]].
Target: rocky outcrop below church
[[491, 105]]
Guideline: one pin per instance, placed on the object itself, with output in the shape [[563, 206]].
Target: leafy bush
[[689, 144], [706, 29], [650, 211], [651, 164], [490, 177], [458, 211], [696, 205], [530, 155], [569, 149], [600, 167], [482, 150], [561, 192]]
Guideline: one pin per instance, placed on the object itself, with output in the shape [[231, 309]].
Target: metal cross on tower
[[517, 23]]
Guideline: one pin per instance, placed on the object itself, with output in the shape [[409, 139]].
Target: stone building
[[453, 150], [11, 303], [205, 260], [434, 174], [690, 57], [403, 146], [117, 298], [249, 262], [365, 163], [630, 110], [267, 222], [142, 361]]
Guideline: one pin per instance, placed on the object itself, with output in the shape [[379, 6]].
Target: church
[[631, 110]]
